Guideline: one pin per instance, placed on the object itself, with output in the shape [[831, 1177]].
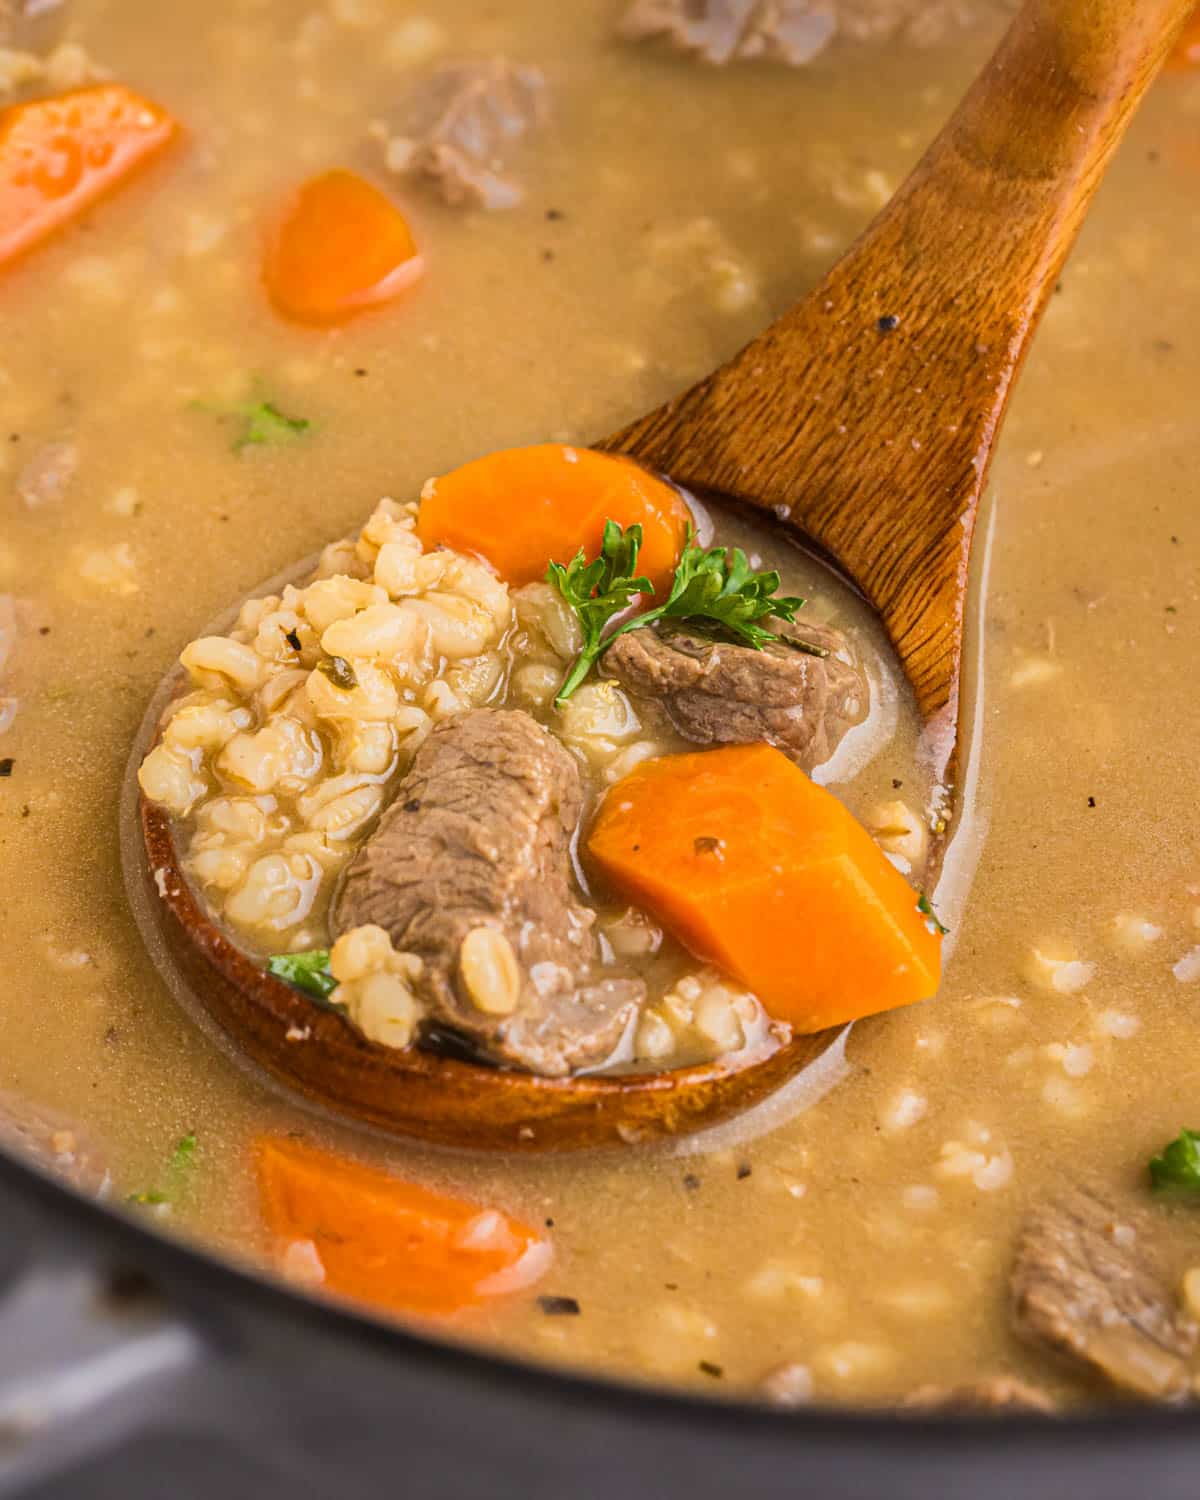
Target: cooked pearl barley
[[1065, 975], [205, 726], [359, 952], [341, 559], [329, 600], [169, 778], [396, 567], [598, 717], [321, 851], [476, 679], [1134, 934], [898, 830], [342, 817], [542, 611], [275, 692], [654, 1038], [241, 818], [374, 699], [217, 655], [380, 632], [716, 1020], [368, 748], [490, 972], [222, 868], [277, 891], [458, 627], [281, 754], [536, 682], [442, 702], [789, 1385], [632, 755], [383, 1008]]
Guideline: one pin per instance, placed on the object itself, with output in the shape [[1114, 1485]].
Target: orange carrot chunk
[[765, 874], [373, 1238], [524, 508], [59, 156], [340, 247], [1187, 48]]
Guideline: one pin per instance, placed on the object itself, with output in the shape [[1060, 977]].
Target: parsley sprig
[[714, 588], [1177, 1167], [307, 971], [597, 591]]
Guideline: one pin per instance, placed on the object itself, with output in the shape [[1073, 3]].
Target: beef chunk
[[795, 31], [479, 837], [991, 1393], [14, 14], [718, 31], [462, 118], [717, 693], [50, 1142], [1083, 1285]]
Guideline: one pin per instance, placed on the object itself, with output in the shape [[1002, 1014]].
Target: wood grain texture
[[865, 417], [420, 1094]]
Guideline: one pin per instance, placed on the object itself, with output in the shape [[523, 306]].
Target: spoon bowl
[[864, 419], [424, 1094]]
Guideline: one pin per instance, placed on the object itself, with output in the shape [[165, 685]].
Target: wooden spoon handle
[[865, 416]]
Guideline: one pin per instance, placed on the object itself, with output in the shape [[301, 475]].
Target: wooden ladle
[[864, 419]]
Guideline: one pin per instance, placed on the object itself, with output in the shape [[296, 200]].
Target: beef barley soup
[[498, 762]]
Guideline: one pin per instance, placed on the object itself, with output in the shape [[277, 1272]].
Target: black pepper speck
[[559, 1307], [888, 323]]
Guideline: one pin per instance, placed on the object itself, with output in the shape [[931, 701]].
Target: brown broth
[[864, 1242]]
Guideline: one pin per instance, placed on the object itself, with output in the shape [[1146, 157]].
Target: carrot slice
[[765, 874], [58, 156], [340, 247], [1187, 48], [523, 508], [373, 1238]]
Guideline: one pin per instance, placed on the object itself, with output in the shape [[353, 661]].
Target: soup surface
[[174, 431]]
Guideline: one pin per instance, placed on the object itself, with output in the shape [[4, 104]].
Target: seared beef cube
[[1084, 1285], [470, 868], [717, 693]]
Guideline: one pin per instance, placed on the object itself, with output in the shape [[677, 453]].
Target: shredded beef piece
[[479, 836], [795, 31], [715, 692], [1084, 1286], [991, 1393], [461, 120]]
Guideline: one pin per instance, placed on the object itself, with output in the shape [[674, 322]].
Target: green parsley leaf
[[264, 423], [597, 591], [718, 586], [1177, 1168], [339, 671], [184, 1153], [925, 907], [179, 1164], [305, 971], [261, 423], [714, 589]]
